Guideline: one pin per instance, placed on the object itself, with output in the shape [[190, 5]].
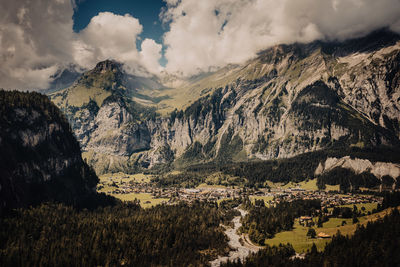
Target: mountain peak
[[107, 74], [108, 65]]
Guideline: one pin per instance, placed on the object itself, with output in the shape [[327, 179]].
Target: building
[[323, 235]]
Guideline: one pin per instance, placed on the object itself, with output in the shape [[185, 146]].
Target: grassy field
[[298, 238], [332, 188], [146, 200], [139, 177], [265, 198], [367, 206], [80, 95], [301, 243], [306, 185]]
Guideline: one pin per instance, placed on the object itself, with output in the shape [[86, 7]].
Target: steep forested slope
[[40, 158]]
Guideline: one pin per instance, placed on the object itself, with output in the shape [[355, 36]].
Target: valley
[[134, 187], [291, 158]]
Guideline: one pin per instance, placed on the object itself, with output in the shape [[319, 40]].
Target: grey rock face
[[116, 133]]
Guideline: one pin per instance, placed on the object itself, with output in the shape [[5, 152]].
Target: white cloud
[[150, 54], [36, 38], [110, 36], [205, 34]]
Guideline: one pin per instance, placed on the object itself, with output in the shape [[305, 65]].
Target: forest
[[264, 222], [302, 167], [58, 235], [181, 235], [296, 169]]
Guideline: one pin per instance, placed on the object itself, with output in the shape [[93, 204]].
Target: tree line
[[302, 167], [58, 235]]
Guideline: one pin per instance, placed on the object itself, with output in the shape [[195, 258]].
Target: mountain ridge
[[289, 100]]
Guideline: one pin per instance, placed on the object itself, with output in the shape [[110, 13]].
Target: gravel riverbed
[[239, 250]]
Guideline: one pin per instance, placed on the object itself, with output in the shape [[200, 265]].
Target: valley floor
[[139, 186]]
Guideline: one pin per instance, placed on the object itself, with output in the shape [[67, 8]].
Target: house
[[323, 235]]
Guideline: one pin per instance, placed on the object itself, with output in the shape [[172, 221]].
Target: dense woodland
[[302, 167], [377, 244], [264, 222], [390, 200], [296, 169], [228, 212], [348, 180], [57, 235], [180, 235]]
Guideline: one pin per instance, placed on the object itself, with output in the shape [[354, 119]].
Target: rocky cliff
[[40, 159], [288, 100], [378, 169]]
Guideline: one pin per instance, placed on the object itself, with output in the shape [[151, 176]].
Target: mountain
[[40, 159], [289, 100], [63, 78]]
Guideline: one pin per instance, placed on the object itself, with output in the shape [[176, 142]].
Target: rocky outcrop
[[358, 166], [40, 159]]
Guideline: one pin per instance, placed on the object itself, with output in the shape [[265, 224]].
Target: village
[[170, 195]]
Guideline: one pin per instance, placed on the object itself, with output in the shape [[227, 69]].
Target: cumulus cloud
[[36, 38], [206, 34], [150, 55], [108, 36]]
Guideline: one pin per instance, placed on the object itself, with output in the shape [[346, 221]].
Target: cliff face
[[40, 159], [289, 100]]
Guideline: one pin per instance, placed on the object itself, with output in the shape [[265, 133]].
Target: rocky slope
[[40, 159], [289, 100], [378, 169]]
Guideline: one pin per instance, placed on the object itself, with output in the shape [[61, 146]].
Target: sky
[[182, 37], [147, 12]]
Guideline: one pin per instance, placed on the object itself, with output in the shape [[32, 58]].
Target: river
[[239, 250]]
